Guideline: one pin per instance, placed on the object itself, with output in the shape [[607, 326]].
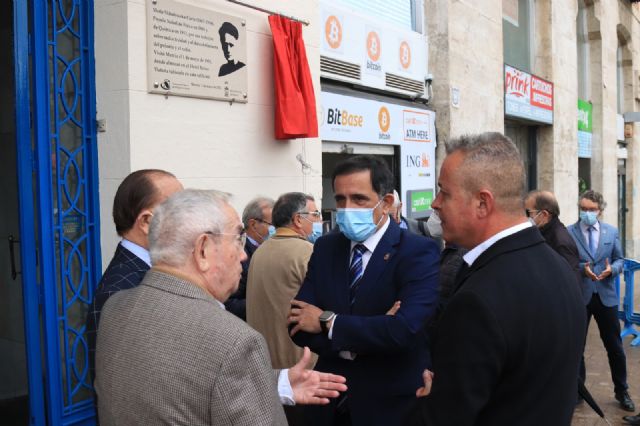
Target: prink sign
[[527, 96]]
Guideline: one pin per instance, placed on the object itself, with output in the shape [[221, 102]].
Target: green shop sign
[[584, 115], [421, 201]]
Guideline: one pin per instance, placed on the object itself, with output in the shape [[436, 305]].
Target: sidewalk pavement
[[599, 378]]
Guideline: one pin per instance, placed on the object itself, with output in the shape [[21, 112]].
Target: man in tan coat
[[276, 272]]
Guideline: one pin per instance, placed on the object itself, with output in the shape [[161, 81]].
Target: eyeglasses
[[315, 214], [240, 238], [531, 212], [263, 221]]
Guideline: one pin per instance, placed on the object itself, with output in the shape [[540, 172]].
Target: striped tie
[[355, 271]]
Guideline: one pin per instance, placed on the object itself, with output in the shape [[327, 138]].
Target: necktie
[[355, 271], [592, 241]]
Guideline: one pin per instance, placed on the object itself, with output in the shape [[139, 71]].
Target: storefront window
[[517, 28], [584, 77]]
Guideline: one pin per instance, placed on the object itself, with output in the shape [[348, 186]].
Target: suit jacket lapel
[[604, 237], [380, 257], [341, 259], [577, 233]]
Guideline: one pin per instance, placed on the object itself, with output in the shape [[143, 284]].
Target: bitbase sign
[[355, 120]]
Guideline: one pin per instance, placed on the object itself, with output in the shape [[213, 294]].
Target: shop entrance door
[[49, 217], [14, 386]]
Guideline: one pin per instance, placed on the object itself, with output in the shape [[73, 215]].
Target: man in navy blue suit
[[600, 262], [363, 306], [133, 206]]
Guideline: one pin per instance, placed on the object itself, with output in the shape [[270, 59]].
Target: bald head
[[544, 200]]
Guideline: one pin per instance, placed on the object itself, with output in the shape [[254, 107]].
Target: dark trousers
[[295, 415], [609, 326]]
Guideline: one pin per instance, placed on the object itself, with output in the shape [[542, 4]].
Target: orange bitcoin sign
[[405, 55], [384, 119], [373, 46], [333, 32]]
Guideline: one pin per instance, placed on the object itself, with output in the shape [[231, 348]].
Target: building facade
[[588, 51], [99, 89]]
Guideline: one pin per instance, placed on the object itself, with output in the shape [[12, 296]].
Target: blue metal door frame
[[27, 209], [58, 195]]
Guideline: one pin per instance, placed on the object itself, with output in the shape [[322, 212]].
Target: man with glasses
[[543, 210], [169, 353], [601, 261], [256, 218], [364, 305], [277, 270]]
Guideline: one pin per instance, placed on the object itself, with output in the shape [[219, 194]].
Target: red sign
[[541, 93]]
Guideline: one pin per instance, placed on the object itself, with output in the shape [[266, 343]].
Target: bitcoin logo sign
[[373, 46], [405, 55], [384, 119], [333, 32]]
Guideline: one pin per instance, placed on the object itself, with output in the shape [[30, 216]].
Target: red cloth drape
[[295, 102]]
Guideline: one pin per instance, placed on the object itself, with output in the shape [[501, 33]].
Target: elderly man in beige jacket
[[276, 272]]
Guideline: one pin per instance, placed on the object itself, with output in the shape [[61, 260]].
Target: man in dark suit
[[600, 262], [258, 225], [542, 208], [508, 345], [354, 278], [133, 206]]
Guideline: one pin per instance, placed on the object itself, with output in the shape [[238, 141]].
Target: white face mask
[[434, 225]]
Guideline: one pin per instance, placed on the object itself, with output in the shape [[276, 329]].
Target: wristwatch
[[325, 319]]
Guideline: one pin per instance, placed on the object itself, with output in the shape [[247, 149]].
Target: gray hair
[[287, 206], [180, 220], [492, 161], [253, 210], [594, 196]]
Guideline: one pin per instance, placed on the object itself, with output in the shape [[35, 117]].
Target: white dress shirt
[[475, 253], [139, 251]]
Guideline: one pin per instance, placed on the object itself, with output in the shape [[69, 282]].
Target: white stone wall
[[466, 53], [206, 144]]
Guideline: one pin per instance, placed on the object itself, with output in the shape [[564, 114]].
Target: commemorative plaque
[[196, 52]]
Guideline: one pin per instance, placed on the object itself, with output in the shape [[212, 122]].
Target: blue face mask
[[316, 233], [588, 218], [357, 224], [271, 231]]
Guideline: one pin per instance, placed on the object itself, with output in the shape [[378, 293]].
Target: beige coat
[[276, 272]]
